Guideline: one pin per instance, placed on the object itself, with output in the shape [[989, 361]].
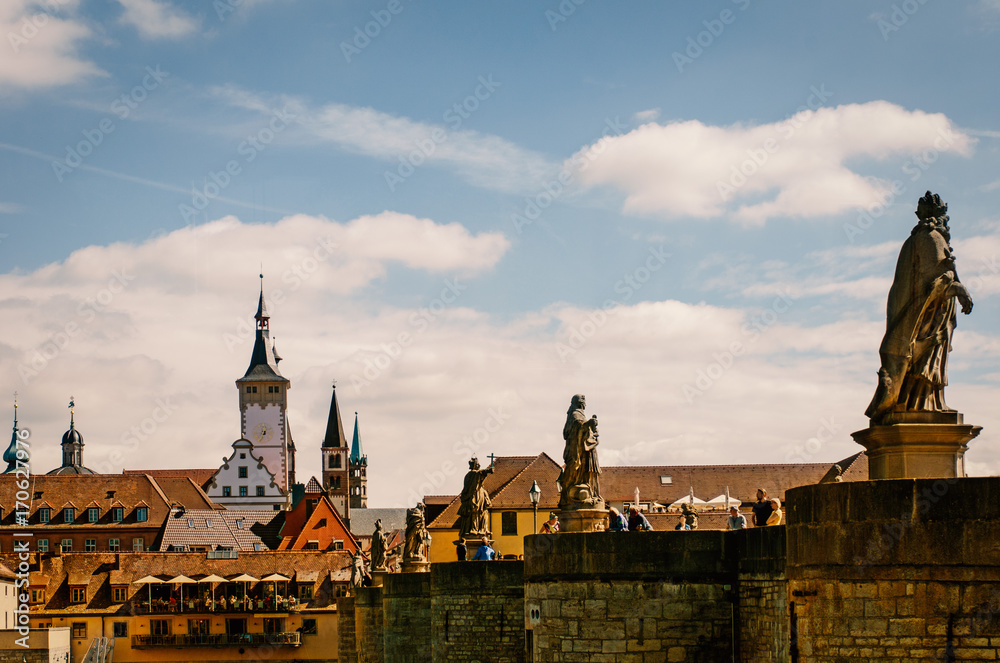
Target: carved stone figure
[[920, 319], [358, 570], [473, 521], [415, 548], [690, 515], [579, 481], [377, 549]]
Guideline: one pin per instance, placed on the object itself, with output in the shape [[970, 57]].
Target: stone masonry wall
[[477, 612], [407, 618], [368, 625], [347, 651], [637, 597], [901, 570], [762, 595]]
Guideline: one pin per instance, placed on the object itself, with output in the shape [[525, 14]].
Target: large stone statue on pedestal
[[473, 522], [580, 502], [913, 433], [417, 540], [377, 549]]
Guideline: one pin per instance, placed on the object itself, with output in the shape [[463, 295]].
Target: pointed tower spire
[[357, 453], [334, 426], [10, 455], [263, 364]]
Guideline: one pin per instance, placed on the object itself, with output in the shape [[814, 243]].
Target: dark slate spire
[[334, 426], [263, 365], [10, 456], [357, 453]]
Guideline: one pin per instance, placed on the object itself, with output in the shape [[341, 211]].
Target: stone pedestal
[[416, 567], [917, 445], [378, 578], [583, 520]]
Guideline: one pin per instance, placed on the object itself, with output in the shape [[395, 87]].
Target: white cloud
[[11, 208], [482, 159], [795, 168], [642, 117], [157, 19], [42, 48]]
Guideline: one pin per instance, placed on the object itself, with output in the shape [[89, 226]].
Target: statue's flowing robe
[[475, 502], [920, 319], [378, 550], [413, 549], [579, 455]]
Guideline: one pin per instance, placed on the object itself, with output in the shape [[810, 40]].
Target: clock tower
[[264, 403]]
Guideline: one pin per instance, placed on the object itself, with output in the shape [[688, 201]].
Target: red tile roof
[[199, 476]]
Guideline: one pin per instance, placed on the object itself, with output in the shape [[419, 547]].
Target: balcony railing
[[256, 605], [292, 639]]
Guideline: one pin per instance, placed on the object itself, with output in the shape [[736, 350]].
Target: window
[[190, 523], [308, 627], [508, 523], [90, 545], [227, 491], [119, 629], [78, 595], [242, 471], [114, 545], [93, 515], [305, 592], [338, 545], [260, 491], [274, 625], [242, 456], [137, 545], [79, 629], [198, 626], [236, 626], [159, 627], [335, 462], [666, 480], [208, 524], [119, 595], [312, 545], [67, 545], [239, 523], [117, 514], [243, 491], [257, 547], [43, 545], [44, 515], [142, 514], [38, 596], [69, 515], [248, 390]]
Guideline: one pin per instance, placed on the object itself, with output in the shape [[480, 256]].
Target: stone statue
[[473, 522], [358, 571], [579, 480], [377, 549], [690, 515], [920, 319], [415, 548]]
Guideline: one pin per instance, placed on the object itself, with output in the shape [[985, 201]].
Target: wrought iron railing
[[291, 639]]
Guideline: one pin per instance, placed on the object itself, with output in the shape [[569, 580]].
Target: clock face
[[263, 432]]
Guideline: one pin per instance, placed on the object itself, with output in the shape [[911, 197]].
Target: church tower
[[358, 464], [264, 403], [72, 449], [336, 479]]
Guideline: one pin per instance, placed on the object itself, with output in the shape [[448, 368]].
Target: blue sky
[[546, 198]]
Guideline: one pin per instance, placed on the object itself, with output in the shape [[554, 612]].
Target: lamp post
[[534, 493]]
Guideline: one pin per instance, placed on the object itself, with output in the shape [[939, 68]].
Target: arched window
[[335, 462]]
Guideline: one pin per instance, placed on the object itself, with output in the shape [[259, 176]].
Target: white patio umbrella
[[149, 581]]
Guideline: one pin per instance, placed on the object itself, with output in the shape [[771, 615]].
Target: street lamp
[[535, 493]]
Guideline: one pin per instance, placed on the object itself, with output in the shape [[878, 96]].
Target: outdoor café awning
[[720, 501], [212, 578], [148, 580], [687, 499], [181, 580], [243, 577], [275, 577]]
